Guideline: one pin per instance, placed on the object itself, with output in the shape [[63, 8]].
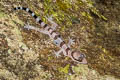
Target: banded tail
[[33, 15]]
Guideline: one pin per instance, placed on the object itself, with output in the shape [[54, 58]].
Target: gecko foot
[[71, 41], [57, 54], [27, 26]]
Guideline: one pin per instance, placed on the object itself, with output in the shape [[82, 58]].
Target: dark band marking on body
[[52, 32], [67, 50], [49, 29], [62, 43], [56, 36], [45, 26]]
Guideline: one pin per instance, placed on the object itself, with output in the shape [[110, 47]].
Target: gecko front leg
[[58, 52], [71, 41]]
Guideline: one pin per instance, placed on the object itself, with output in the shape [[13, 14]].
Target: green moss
[[64, 69], [2, 14], [96, 12], [87, 15]]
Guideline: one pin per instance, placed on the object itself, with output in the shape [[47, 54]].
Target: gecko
[[56, 37]]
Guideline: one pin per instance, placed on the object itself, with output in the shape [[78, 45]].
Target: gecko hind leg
[[27, 26], [54, 25]]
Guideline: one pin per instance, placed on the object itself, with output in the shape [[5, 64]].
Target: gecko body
[[57, 39]]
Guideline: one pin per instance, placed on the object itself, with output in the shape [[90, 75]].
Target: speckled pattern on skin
[[57, 39]]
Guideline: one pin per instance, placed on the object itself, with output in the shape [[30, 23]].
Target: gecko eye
[[79, 57]]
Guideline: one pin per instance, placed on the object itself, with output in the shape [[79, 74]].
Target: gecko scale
[[57, 39]]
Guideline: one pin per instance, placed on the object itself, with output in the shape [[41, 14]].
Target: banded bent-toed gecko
[[57, 39]]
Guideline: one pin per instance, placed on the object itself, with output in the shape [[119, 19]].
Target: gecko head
[[79, 57]]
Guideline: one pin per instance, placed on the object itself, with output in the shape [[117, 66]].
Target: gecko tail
[[32, 14]]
